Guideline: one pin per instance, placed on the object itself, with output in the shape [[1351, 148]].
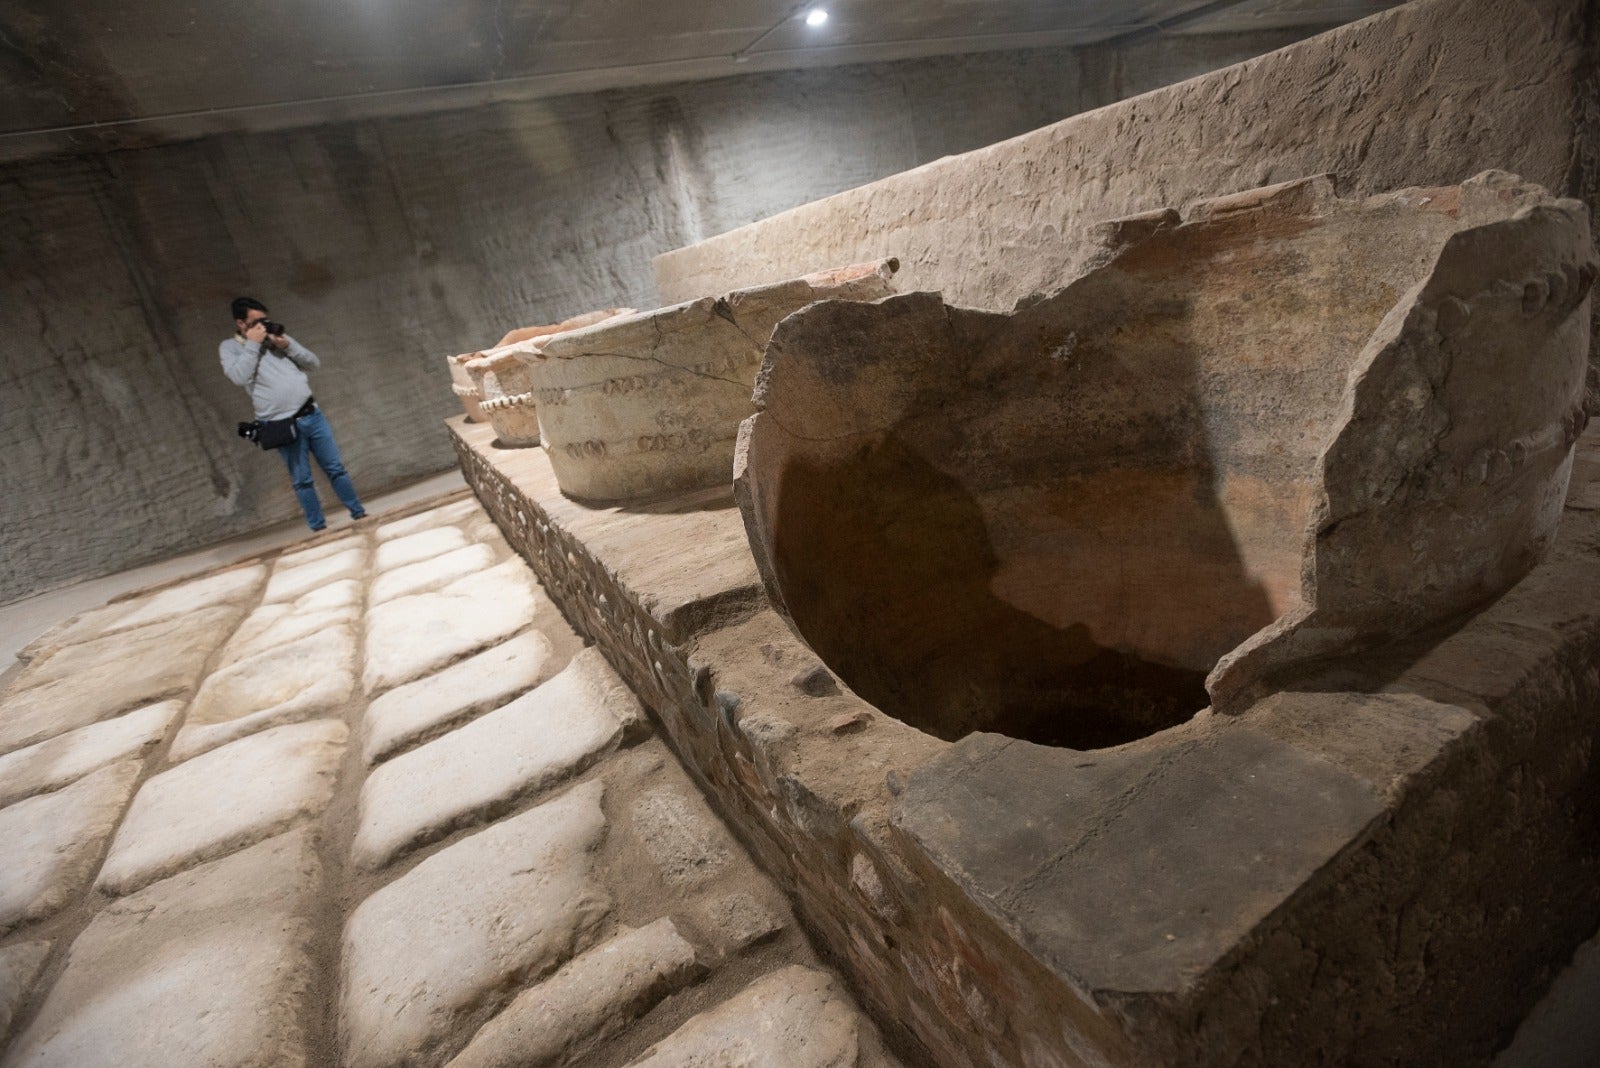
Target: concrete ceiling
[[117, 72]]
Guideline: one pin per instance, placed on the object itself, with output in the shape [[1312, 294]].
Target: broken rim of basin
[[1283, 427]]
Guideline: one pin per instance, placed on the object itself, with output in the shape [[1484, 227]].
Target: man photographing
[[272, 367]]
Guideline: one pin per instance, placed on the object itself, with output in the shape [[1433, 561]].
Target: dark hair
[[243, 305]]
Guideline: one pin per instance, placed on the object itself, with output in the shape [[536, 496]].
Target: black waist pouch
[[276, 433]]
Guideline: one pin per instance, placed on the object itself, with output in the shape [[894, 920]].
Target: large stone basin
[[1279, 428], [650, 404]]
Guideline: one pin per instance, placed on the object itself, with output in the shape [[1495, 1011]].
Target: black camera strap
[[261, 352]]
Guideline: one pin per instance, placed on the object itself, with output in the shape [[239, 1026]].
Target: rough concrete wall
[[1428, 93], [386, 244]]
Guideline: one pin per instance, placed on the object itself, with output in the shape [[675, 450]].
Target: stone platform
[[369, 802], [1384, 865]]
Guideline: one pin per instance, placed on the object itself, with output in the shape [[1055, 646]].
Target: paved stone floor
[[370, 801]]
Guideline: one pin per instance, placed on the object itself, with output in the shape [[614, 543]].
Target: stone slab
[[412, 636], [456, 933], [792, 1018], [137, 668], [738, 920], [227, 799], [71, 756], [596, 995], [320, 551], [431, 573], [478, 771], [290, 582], [147, 642], [687, 843], [234, 586], [309, 677], [211, 967], [1142, 827], [454, 512], [20, 965], [277, 624], [482, 529], [415, 712], [422, 545], [52, 843]]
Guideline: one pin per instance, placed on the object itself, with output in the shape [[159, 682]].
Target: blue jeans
[[316, 439]]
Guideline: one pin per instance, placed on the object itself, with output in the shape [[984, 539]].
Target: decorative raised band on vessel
[[515, 400]]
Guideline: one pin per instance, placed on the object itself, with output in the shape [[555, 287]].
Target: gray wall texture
[[1431, 92], [386, 244]]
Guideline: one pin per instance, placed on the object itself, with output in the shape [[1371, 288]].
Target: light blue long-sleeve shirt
[[280, 385]]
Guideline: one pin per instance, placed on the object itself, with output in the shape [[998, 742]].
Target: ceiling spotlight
[[816, 16]]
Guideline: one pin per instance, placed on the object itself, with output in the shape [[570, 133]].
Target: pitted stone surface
[[598, 994], [224, 800], [431, 573], [290, 582], [513, 901], [52, 843], [423, 545], [72, 755], [412, 636], [234, 586], [483, 768], [681, 836], [412, 713], [738, 920], [792, 1018], [275, 625], [210, 967], [139, 669], [294, 682], [455, 512], [19, 967]]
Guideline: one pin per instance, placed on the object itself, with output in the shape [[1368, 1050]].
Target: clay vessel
[[465, 389], [504, 385], [650, 404], [1279, 428]]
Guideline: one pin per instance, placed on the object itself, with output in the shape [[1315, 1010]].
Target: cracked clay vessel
[[502, 380], [649, 404], [464, 388], [1281, 427]]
